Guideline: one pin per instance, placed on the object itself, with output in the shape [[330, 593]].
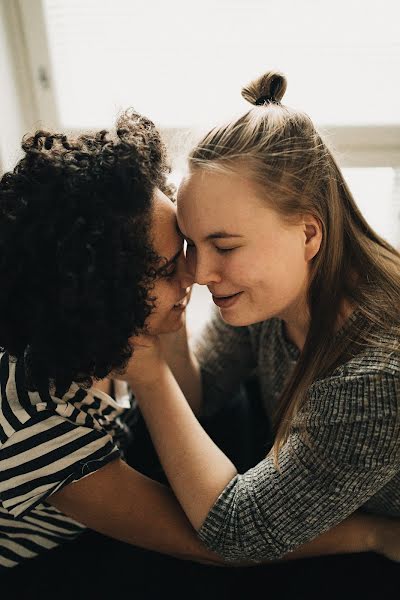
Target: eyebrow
[[212, 236], [222, 234]]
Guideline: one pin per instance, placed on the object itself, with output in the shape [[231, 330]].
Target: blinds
[[183, 63]]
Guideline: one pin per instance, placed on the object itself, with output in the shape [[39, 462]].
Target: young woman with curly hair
[[90, 257]]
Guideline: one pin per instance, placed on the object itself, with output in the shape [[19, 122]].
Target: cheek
[[166, 295], [277, 268]]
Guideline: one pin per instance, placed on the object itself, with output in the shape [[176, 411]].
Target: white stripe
[[38, 539], [13, 400], [6, 562], [51, 527], [8, 430], [19, 504], [17, 548], [53, 513], [64, 462], [20, 436], [22, 524], [41, 449]]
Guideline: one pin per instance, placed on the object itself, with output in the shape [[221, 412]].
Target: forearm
[[121, 503], [184, 366], [196, 468]]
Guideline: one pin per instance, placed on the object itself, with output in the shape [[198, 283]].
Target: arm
[[122, 503], [184, 366], [147, 515], [210, 368], [247, 507]]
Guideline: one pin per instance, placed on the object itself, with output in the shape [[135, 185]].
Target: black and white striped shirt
[[48, 440]]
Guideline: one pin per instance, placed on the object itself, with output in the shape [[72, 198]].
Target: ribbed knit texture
[[343, 452]]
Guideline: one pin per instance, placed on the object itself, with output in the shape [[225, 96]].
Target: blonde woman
[[308, 298]]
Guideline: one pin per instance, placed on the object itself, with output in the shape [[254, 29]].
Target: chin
[[238, 320], [234, 320], [170, 326]]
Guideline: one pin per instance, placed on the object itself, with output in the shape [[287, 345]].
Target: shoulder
[[355, 392]]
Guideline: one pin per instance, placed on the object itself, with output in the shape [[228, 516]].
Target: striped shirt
[[48, 440], [343, 451]]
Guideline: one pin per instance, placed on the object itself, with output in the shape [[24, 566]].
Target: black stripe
[[37, 439], [73, 471], [70, 527], [6, 408], [3, 436], [112, 456], [31, 545], [89, 421], [10, 554], [74, 415], [60, 391], [46, 533], [95, 405], [108, 410], [79, 395], [45, 396], [50, 457]]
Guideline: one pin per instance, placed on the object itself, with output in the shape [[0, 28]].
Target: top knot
[[268, 88]]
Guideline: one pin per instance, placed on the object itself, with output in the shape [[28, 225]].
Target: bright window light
[[183, 63]]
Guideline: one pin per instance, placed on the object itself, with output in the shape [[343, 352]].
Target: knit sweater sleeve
[[226, 357], [343, 446]]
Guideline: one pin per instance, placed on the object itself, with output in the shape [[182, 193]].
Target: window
[[183, 64]]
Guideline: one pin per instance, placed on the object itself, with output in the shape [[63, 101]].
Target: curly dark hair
[[76, 261]]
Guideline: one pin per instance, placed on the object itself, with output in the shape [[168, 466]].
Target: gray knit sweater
[[343, 452]]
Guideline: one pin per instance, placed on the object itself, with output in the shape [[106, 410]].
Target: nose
[[204, 271]]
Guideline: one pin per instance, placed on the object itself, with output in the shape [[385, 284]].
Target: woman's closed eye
[[223, 250]]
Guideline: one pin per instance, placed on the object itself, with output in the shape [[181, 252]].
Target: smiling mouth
[[226, 301], [225, 297]]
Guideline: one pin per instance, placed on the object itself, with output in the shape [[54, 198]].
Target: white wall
[[12, 123]]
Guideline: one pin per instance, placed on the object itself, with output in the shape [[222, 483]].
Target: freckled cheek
[[237, 272]]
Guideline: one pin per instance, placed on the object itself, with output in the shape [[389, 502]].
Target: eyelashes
[[223, 250], [218, 250]]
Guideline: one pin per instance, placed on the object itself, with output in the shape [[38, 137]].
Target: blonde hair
[[283, 152]]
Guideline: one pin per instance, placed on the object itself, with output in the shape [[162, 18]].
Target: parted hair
[[283, 152], [76, 259]]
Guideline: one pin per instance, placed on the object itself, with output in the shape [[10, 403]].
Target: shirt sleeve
[[343, 446], [46, 453], [226, 358]]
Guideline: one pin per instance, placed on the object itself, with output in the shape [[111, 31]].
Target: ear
[[312, 230]]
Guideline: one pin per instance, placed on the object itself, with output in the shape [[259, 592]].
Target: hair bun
[[269, 87]]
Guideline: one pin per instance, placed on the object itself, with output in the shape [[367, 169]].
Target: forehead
[[215, 200], [164, 234]]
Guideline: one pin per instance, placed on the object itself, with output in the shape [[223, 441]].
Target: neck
[[297, 325]]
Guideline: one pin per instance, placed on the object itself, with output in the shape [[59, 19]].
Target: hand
[[387, 535], [145, 361]]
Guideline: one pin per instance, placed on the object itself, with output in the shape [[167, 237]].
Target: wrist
[[150, 377]]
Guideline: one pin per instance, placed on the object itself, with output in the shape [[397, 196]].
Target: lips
[[226, 301], [222, 296]]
